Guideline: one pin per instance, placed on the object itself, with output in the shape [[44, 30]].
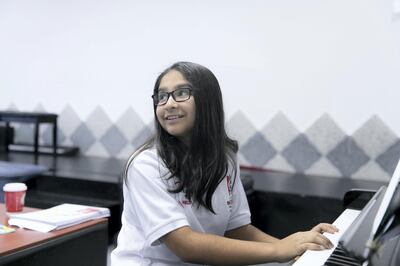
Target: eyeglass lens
[[179, 95]]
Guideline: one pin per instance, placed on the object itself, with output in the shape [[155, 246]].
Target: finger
[[322, 227], [325, 227], [313, 246], [324, 241], [330, 228], [317, 238]]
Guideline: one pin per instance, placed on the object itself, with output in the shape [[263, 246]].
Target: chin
[[174, 132], [177, 133]]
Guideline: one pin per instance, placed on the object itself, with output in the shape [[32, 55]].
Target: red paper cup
[[14, 196]]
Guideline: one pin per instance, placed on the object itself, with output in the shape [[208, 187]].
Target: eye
[[183, 92], [162, 96]]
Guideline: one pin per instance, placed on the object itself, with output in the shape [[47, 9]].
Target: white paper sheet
[[32, 225]]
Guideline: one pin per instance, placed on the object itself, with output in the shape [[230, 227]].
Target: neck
[[185, 141]]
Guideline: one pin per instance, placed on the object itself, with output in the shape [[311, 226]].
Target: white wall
[[304, 57]]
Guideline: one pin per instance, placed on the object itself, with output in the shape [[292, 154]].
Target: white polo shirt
[[150, 212]]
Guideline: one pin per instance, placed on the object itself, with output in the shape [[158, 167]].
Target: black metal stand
[[36, 119]]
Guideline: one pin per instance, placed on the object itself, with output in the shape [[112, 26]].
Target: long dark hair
[[198, 168]]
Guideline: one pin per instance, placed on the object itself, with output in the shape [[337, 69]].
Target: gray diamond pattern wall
[[371, 152]]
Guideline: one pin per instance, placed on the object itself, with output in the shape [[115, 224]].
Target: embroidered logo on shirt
[[184, 202], [229, 186]]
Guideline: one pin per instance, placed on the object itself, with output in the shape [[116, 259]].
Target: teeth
[[172, 117]]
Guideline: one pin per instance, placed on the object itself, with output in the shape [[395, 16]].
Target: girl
[[183, 199]]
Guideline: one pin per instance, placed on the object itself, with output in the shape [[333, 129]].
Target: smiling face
[[177, 118]]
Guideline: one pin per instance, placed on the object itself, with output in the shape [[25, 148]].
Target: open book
[[57, 217]]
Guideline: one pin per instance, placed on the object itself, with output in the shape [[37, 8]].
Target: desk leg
[[55, 138], [36, 138]]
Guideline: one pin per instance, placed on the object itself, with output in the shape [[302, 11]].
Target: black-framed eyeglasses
[[179, 95]]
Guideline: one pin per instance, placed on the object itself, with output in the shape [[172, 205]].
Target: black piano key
[[341, 261], [340, 258]]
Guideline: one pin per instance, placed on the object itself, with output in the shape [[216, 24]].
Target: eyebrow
[[179, 86]]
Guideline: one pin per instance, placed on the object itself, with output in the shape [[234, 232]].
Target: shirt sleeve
[[157, 212], [240, 214]]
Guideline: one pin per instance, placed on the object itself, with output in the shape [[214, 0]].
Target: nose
[[171, 102]]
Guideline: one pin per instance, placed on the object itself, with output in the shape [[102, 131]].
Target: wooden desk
[[83, 244], [85, 180], [28, 117]]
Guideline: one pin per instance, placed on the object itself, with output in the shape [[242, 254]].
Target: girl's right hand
[[297, 243]]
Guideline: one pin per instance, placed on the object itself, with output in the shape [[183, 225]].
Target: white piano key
[[318, 258]]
